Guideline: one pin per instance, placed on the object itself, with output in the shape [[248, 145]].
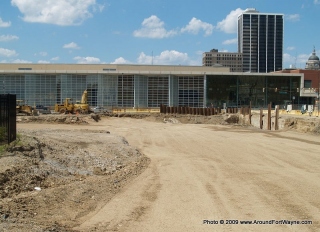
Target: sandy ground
[[204, 172]]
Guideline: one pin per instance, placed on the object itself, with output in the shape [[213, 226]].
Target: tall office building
[[260, 40]]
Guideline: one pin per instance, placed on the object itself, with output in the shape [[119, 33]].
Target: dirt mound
[[60, 118], [222, 119], [168, 118], [75, 169], [305, 125]]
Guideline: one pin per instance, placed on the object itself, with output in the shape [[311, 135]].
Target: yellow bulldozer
[[81, 107], [23, 109], [66, 107]]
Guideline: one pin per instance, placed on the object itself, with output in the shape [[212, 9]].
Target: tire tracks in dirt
[[118, 213], [202, 172]]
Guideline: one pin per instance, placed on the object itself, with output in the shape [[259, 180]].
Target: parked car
[[99, 109], [43, 109]]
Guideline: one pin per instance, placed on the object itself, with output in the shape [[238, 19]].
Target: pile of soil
[[222, 119], [60, 118], [304, 125], [47, 169]]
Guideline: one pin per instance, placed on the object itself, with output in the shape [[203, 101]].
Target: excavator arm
[[84, 98]]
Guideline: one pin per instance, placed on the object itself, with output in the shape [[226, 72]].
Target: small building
[[310, 88], [214, 58]]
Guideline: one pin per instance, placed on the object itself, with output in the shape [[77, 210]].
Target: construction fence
[[200, 110], [8, 126]]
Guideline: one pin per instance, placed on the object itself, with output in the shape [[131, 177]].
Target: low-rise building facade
[[146, 86]]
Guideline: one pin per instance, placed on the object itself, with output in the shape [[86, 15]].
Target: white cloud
[[120, 60], [297, 61], [99, 7], [55, 58], [18, 61], [4, 24], [199, 53], [316, 1], [303, 58], [230, 41], [195, 25], [293, 17], [7, 52], [291, 48], [287, 58], [87, 60], [165, 58], [43, 62], [153, 27], [6, 38], [229, 24], [59, 12], [71, 45], [41, 54]]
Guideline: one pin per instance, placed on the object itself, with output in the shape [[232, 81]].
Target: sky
[[158, 32]]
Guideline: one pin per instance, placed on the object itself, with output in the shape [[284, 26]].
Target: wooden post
[[269, 116], [276, 126], [261, 118], [250, 113]]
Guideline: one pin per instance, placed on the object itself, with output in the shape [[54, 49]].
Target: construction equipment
[[23, 109], [81, 107], [66, 107]]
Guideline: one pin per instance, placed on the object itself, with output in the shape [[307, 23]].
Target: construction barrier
[[194, 110]]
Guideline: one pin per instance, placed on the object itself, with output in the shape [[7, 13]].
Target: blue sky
[[169, 32]]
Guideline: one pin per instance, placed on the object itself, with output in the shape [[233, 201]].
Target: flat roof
[[108, 68], [119, 69]]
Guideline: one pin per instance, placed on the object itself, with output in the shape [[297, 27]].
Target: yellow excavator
[[81, 107]]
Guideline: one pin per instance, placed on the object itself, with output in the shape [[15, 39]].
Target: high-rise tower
[[260, 40]]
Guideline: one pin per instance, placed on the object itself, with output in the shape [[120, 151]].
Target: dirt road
[[211, 172]]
